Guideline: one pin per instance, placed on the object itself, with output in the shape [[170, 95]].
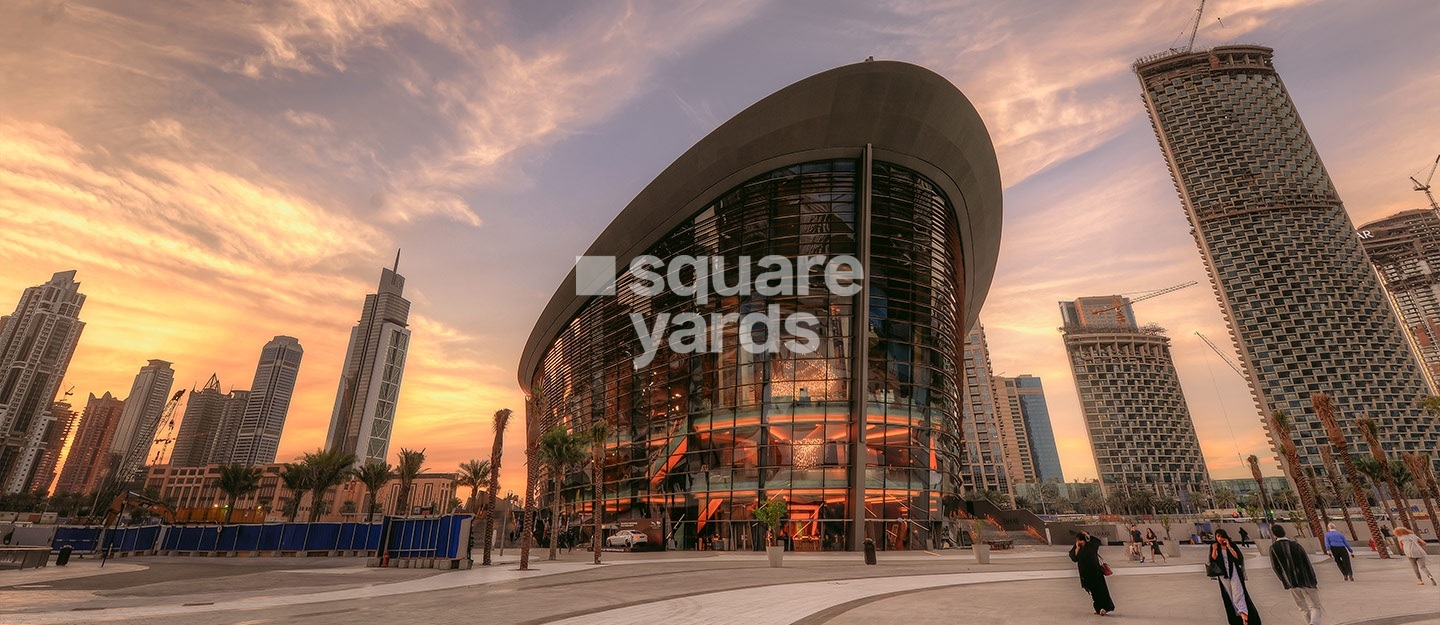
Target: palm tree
[[1046, 496], [1371, 431], [1404, 481], [1334, 479], [598, 433], [474, 473], [409, 466], [297, 477], [1325, 410], [1417, 466], [559, 450], [1254, 462], [328, 469], [1431, 405], [1225, 498], [1374, 474], [1284, 498], [502, 419], [373, 475], [533, 407], [236, 481], [1280, 423], [1118, 502], [1142, 501], [1322, 503]]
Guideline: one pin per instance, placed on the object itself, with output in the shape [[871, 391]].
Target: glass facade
[[697, 440]]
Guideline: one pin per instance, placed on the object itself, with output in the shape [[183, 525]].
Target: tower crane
[[1195, 27], [1223, 358], [168, 417], [1119, 306], [1425, 186]]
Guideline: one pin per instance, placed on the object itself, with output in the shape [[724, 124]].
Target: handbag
[[1105, 568], [1214, 569]]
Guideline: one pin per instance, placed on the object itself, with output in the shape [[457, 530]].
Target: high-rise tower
[[1024, 411], [370, 380], [207, 433], [269, 402], [36, 342], [1135, 412], [62, 422], [228, 430], [136, 431], [1303, 305], [982, 462], [1405, 249], [89, 456]]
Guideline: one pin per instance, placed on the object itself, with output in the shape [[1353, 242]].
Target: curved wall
[[696, 440]]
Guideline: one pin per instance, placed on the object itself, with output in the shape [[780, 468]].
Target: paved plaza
[[1029, 585]]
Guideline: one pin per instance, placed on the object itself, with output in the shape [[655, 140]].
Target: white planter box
[[982, 554], [776, 555]]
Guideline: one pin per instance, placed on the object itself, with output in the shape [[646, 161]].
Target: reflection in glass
[[697, 440]]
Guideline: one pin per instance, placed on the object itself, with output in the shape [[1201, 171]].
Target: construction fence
[[445, 537]]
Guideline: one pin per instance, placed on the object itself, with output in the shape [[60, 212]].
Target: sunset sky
[[223, 172]]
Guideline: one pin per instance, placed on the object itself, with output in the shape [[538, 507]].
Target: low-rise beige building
[[193, 494]]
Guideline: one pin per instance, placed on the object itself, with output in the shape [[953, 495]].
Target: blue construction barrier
[[427, 537], [80, 539], [131, 539]]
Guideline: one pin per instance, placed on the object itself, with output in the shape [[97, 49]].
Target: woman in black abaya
[[1225, 559], [1086, 555]]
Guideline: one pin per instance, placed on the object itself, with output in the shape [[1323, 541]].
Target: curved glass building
[[837, 393]]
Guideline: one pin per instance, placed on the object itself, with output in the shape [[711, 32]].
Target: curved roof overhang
[[909, 115]]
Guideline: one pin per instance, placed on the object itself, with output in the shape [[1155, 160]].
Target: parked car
[[627, 539]]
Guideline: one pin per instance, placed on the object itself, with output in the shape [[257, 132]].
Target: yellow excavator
[[135, 501]]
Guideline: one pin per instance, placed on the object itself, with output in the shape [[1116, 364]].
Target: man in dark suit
[[1292, 566]]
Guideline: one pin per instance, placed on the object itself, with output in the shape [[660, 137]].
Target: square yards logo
[[700, 278]]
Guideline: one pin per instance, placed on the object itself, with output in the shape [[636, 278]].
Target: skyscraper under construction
[[1303, 305]]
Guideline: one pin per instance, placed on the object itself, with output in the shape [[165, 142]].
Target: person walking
[[1340, 551], [1086, 556], [1156, 545], [1292, 565], [1244, 537], [1228, 567], [1136, 542], [1414, 549]]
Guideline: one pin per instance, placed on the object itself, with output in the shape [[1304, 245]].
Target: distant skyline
[[243, 176]]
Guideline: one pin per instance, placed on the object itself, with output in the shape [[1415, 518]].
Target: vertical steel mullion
[[859, 357]]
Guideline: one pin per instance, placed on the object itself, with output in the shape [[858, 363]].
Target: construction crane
[[1234, 366], [1425, 186], [1195, 27], [168, 417], [1119, 305]]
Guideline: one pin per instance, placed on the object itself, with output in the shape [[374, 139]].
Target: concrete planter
[[1264, 545], [1171, 548], [776, 555], [982, 554], [1311, 545]]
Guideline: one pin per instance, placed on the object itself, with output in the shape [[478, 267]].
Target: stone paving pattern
[[1030, 585]]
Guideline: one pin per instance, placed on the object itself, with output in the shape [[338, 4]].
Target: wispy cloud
[[221, 173], [224, 179]]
